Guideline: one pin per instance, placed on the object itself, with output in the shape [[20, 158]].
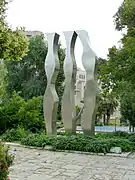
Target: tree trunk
[[129, 127], [108, 117], [104, 119]]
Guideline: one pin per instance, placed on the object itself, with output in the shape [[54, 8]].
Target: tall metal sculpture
[[70, 70], [90, 93], [50, 104]]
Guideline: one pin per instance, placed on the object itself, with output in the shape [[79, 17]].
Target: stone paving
[[32, 164]]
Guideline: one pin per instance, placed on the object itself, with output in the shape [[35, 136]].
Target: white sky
[[94, 16]]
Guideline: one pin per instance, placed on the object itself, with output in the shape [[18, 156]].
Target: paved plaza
[[32, 164]]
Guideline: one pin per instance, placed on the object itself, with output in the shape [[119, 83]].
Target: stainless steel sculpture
[[70, 70], [50, 104], [90, 93]]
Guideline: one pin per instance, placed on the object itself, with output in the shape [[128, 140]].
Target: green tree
[[13, 44], [107, 105], [15, 111], [120, 66], [107, 97], [128, 104], [3, 80], [27, 77], [125, 16]]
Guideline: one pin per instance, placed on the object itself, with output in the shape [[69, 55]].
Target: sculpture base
[[78, 130]]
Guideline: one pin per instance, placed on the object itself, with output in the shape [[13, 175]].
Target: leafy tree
[[125, 16], [13, 44], [104, 76], [27, 77], [15, 112], [107, 105], [107, 97], [120, 66], [128, 104], [3, 80]]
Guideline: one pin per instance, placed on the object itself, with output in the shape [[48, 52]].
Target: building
[[80, 85], [79, 92], [30, 34]]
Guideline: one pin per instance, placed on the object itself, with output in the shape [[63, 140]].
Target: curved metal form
[[90, 93], [50, 103], [70, 70]]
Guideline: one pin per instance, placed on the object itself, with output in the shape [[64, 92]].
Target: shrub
[[121, 134], [79, 143], [9, 112], [17, 112], [34, 140], [6, 160], [117, 134], [15, 134], [132, 138], [32, 115]]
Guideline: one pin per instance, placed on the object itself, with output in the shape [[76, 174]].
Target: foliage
[[107, 98], [31, 114], [9, 110], [125, 16], [13, 44], [28, 75], [3, 81], [6, 161], [121, 61], [104, 76], [120, 66], [77, 110], [16, 111], [15, 134], [106, 106], [128, 104], [97, 144]]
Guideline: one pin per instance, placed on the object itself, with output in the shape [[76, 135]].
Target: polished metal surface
[[50, 103], [90, 93], [70, 70]]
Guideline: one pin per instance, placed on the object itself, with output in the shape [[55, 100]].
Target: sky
[[94, 16]]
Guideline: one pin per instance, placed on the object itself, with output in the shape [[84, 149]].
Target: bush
[[15, 134], [117, 134], [17, 112], [34, 140], [132, 138], [79, 143], [6, 160], [121, 134], [32, 115], [9, 113]]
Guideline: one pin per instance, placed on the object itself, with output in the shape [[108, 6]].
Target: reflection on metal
[[70, 70], [90, 93], [50, 104]]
